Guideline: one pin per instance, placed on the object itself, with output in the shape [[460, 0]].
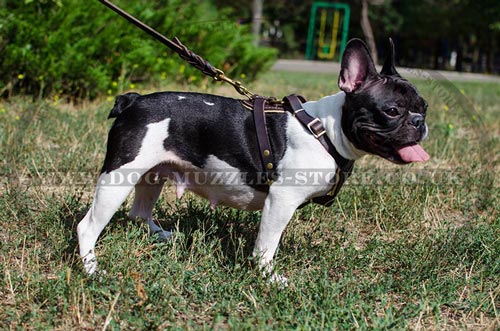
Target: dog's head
[[383, 113]]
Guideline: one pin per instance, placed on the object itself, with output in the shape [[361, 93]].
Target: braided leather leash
[[190, 57]]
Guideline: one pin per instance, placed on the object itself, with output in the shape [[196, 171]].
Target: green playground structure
[[327, 40]]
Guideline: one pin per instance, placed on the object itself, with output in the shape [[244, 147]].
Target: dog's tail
[[122, 102]]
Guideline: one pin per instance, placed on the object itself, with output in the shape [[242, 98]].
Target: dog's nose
[[417, 121]]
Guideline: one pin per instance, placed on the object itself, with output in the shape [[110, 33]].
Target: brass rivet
[[267, 152], [269, 166]]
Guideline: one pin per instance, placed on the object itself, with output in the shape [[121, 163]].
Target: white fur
[[329, 111], [225, 189], [303, 152]]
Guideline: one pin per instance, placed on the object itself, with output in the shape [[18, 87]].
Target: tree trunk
[[367, 30], [491, 56], [458, 66], [256, 20]]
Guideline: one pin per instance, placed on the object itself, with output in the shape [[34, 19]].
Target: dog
[[174, 135]]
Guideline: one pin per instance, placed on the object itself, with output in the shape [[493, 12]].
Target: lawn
[[414, 247]]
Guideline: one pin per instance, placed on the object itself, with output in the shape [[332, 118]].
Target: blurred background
[[462, 35], [81, 49]]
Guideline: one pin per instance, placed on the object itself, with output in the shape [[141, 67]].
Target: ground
[[414, 247]]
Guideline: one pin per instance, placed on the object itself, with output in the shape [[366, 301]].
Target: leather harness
[[260, 106], [293, 105]]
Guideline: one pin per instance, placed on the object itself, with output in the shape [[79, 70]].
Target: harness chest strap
[[293, 104]]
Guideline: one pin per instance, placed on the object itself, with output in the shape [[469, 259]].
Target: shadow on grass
[[234, 230], [69, 213]]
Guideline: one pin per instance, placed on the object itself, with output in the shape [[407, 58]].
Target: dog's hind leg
[[115, 184], [108, 197], [147, 192]]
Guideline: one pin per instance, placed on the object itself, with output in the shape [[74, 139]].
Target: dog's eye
[[392, 112]]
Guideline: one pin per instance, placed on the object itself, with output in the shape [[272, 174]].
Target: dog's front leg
[[278, 210]]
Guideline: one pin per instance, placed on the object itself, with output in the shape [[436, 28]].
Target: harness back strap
[[266, 155], [293, 104]]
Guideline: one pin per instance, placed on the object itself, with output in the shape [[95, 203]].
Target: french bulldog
[[179, 136]]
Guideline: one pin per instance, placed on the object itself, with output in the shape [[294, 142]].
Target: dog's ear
[[389, 69], [357, 66]]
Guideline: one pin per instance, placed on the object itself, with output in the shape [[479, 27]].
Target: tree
[[256, 20], [367, 27]]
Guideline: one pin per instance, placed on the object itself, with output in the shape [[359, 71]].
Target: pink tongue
[[413, 153]]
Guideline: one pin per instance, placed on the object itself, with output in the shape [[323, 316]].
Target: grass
[[415, 247]]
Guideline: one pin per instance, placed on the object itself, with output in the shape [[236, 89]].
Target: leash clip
[[221, 76]]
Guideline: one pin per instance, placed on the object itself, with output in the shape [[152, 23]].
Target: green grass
[[417, 250]]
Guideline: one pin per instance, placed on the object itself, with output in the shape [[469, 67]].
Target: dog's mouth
[[406, 154], [409, 152], [412, 153], [399, 151]]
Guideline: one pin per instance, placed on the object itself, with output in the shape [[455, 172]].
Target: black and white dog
[[171, 135]]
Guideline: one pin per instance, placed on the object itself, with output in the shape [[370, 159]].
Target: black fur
[[370, 129], [197, 130], [378, 114]]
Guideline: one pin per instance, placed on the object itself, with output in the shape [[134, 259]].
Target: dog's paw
[[278, 280], [90, 263], [271, 276], [162, 235], [157, 232]]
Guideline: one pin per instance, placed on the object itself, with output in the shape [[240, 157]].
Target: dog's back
[[200, 126]]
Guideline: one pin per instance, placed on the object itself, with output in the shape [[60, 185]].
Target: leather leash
[[190, 57]]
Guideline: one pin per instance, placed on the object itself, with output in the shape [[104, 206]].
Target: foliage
[[81, 48], [289, 17], [386, 19], [419, 254]]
